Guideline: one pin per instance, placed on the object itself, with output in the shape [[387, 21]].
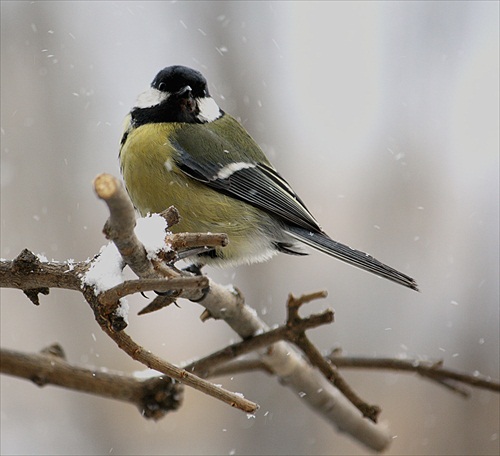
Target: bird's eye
[[162, 86]]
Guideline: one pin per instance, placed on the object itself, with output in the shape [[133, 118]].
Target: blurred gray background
[[382, 115]]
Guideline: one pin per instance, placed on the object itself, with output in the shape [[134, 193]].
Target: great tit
[[179, 148]]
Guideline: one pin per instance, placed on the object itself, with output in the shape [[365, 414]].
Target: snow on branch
[[150, 250], [154, 397]]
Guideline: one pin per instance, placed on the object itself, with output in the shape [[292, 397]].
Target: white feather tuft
[[209, 110], [150, 97], [228, 170]]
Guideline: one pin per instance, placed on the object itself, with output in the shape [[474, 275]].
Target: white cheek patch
[[150, 97], [209, 110], [230, 169]]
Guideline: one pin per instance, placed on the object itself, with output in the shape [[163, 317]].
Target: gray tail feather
[[356, 258]]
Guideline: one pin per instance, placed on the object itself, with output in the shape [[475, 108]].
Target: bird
[[180, 148]]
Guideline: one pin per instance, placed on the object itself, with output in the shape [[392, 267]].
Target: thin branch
[[160, 302], [27, 271], [293, 331], [317, 359], [120, 227], [293, 371], [153, 397], [35, 274], [182, 241], [109, 297], [152, 361], [240, 366], [205, 366], [224, 362], [432, 370], [31, 275], [42, 274]]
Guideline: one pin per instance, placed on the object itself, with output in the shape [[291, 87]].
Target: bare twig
[[224, 362], [120, 229], [432, 370], [28, 272], [121, 232], [181, 241], [154, 397], [34, 277], [294, 371], [152, 361], [205, 366], [120, 226], [68, 276], [240, 366], [293, 331], [109, 297], [317, 359]]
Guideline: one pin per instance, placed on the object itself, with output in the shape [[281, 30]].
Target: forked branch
[[316, 380]]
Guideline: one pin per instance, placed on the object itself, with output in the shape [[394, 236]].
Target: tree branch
[[206, 366], [227, 304], [316, 358], [152, 361], [431, 370], [154, 397], [239, 366], [27, 272], [120, 225], [293, 371], [316, 383], [120, 229], [293, 331], [183, 241], [33, 273], [109, 297]]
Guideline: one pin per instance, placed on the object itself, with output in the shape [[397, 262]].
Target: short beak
[[184, 92]]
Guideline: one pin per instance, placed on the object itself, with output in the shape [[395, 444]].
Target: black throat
[[172, 110]]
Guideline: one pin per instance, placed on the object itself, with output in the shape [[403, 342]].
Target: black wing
[[252, 179], [254, 183]]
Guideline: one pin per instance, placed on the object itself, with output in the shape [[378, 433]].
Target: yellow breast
[[154, 182]]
